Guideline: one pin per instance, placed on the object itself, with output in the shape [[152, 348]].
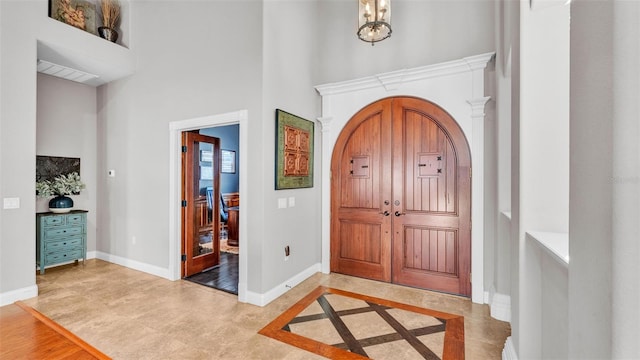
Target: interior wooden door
[[431, 194], [200, 186], [401, 197], [361, 196]]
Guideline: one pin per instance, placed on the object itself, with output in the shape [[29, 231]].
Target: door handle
[[385, 213], [398, 213]]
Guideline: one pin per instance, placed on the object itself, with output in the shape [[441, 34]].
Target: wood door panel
[[361, 161], [430, 166], [430, 249], [360, 242]]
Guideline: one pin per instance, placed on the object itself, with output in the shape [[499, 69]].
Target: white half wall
[[458, 87]]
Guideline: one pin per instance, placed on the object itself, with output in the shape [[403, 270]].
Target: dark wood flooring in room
[[222, 277]]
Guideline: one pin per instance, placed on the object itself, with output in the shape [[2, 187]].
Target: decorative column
[[477, 196], [325, 227]]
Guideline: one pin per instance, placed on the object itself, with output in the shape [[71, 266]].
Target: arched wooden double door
[[401, 197]]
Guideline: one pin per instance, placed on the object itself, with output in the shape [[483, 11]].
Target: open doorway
[[176, 128], [211, 189]]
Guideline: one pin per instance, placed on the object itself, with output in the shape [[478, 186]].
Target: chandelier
[[374, 20]]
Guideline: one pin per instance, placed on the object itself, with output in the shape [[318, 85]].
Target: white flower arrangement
[[61, 185]]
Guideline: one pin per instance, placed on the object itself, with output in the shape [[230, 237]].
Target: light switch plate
[[11, 203], [282, 203], [292, 201]]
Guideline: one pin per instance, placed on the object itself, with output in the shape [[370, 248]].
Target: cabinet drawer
[[63, 256], [75, 219], [55, 220], [54, 232], [63, 245]]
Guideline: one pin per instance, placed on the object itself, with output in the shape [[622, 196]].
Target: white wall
[[591, 191], [543, 160], [66, 126], [29, 24], [195, 67], [424, 32], [502, 256], [626, 182], [604, 273], [289, 68], [18, 147], [253, 56]]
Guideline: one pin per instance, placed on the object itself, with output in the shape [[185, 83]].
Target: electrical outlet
[[133, 240]]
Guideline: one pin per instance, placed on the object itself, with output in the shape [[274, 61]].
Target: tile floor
[[128, 314]]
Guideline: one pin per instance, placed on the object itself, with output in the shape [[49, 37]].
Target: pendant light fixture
[[374, 20]]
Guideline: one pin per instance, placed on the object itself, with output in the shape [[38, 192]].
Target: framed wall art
[[48, 167], [228, 161], [77, 13], [294, 151]]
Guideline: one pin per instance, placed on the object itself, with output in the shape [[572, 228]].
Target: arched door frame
[[458, 87]]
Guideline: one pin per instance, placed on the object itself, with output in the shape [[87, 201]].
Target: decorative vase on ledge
[[108, 33], [61, 204]]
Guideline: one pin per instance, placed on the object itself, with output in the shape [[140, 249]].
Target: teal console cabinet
[[60, 238]]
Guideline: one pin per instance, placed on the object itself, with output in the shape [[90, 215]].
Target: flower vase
[[61, 204], [108, 33]]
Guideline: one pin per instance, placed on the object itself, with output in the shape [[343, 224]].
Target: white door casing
[[458, 87]]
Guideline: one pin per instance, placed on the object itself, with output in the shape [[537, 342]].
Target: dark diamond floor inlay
[[340, 324]]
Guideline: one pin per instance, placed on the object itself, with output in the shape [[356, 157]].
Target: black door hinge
[[184, 257], [184, 148], [184, 203]]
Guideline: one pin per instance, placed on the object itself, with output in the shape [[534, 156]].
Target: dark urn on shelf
[[108, 33], [61, 204]]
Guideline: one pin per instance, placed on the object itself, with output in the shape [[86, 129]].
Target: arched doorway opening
[[401, 197]]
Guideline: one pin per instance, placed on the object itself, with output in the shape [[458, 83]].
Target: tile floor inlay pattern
[[340, 324]]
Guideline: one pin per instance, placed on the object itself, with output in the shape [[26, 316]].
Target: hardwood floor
[[27, 334], [222, 277]]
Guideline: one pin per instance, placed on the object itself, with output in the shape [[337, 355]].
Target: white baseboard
[[91, 254], [269, 296], [133, 264], [9, 297], [501, 307], [500, 304], [509, 351]]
